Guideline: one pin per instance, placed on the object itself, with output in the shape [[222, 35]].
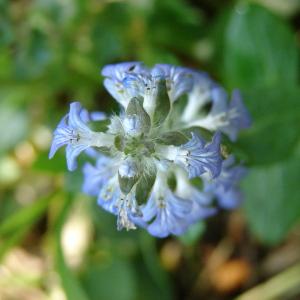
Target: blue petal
[[96, 176], [235, 114], [135, 84], [201, 212], [75, 120], [73, 132], [225, 187], [118, 71], [201, 158], [231, 174], [179, 80], [229, 199], [241, 118], [149, 210], [220, 101], [86, 117], [109, 195], [59, 137], [115, 74], [170, 217], [72, 152], [166, 224]]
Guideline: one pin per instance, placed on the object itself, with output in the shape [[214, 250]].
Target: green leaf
[[24, 217], [175, 138], [44, 164], [12, 120], [152, 263], [259, 49], [275, 129], [162, 103], [69, 282], [14, 228], [169, 16], [126, 183], [135, 107], [272, 203], [144, 187], [113, 280]]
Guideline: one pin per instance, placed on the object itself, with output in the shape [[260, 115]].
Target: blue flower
[[198, 96], [238, 115], [96, 176], [179, 80], [226, 186], [141, 154], [109, 195], [167, 214], [119, 71], [199, 158], [73, 132], [229, 118], [229, 199], [128, 210], [202, 201], [115, 75]]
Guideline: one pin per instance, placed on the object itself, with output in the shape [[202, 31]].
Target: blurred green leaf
[[35, 55], [44, 164], [114, 280], [14, 228], [272, 203], [162, 104], [24, 217], [14, 124], [174, 16], [275, 129], [151, 260], [74, 180], [69, 282], [259, 49], [14, 239]]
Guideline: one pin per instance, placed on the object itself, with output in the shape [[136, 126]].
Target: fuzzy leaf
[[175, 138], [135, 107], [144, 187], [163, 105], [126, 183]]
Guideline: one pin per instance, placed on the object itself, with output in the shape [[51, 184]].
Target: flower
[[199, 95], [143, 162], [202, 201], [229, 118], [165, 213], [226, 186], [96, 176], [114, 76], [73, 132], [178, 80], [199, 157]]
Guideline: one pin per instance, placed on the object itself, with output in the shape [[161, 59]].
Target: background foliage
[[54, 241]]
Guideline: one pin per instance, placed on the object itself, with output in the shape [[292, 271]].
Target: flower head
[[145, 158]]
